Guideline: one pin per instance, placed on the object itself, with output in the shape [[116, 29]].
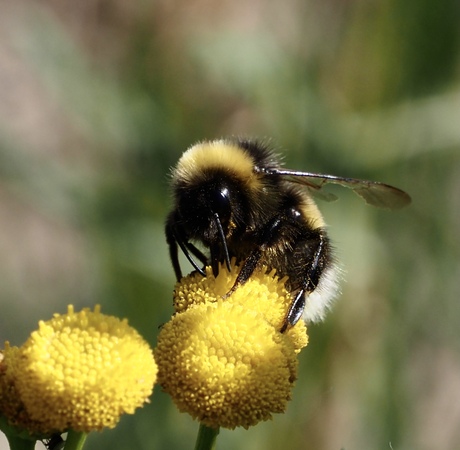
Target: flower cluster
[[225, 361], [78, 371]]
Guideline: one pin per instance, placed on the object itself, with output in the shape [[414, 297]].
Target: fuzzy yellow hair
[[220, 154]]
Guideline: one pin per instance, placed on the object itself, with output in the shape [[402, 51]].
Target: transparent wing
[[374, 193]]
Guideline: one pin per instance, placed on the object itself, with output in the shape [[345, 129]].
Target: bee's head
[[206, 210]]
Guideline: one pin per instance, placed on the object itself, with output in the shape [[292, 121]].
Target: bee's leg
[[197, 253], [174, 238], [247, 269], [189, 250], [295, 311], [173, 251], [267, 239], [313, 274]]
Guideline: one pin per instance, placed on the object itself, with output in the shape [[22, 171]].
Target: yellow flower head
[[225, 362], [81, 371], [263, 293], [11, 406]]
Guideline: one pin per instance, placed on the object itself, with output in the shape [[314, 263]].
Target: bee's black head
[[200, 207]]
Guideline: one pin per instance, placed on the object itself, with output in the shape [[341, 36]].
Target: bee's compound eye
[[221, 204]]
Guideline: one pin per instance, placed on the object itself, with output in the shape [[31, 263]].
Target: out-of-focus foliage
[[98, 99]]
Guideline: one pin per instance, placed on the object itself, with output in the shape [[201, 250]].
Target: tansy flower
[[81, 371], [225, 362], [11, 406]]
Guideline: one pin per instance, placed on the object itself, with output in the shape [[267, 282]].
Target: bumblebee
[[235, 199]]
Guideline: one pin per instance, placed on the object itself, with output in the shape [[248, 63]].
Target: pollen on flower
[[224, 363], [263, 293], [83, 370]]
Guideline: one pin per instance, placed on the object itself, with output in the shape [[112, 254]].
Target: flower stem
[[206, 439], [75, 440], [18, 443]]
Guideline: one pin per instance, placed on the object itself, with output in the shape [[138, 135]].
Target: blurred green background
[[99, 98]]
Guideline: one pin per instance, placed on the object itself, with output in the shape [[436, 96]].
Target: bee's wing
[[374, 193]]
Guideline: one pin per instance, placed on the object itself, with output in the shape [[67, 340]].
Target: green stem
[[75, 440], [18, 443], [206, 439]]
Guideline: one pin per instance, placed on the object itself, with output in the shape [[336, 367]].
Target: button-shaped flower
[[11, 406], [224, 361], [81, 371]]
